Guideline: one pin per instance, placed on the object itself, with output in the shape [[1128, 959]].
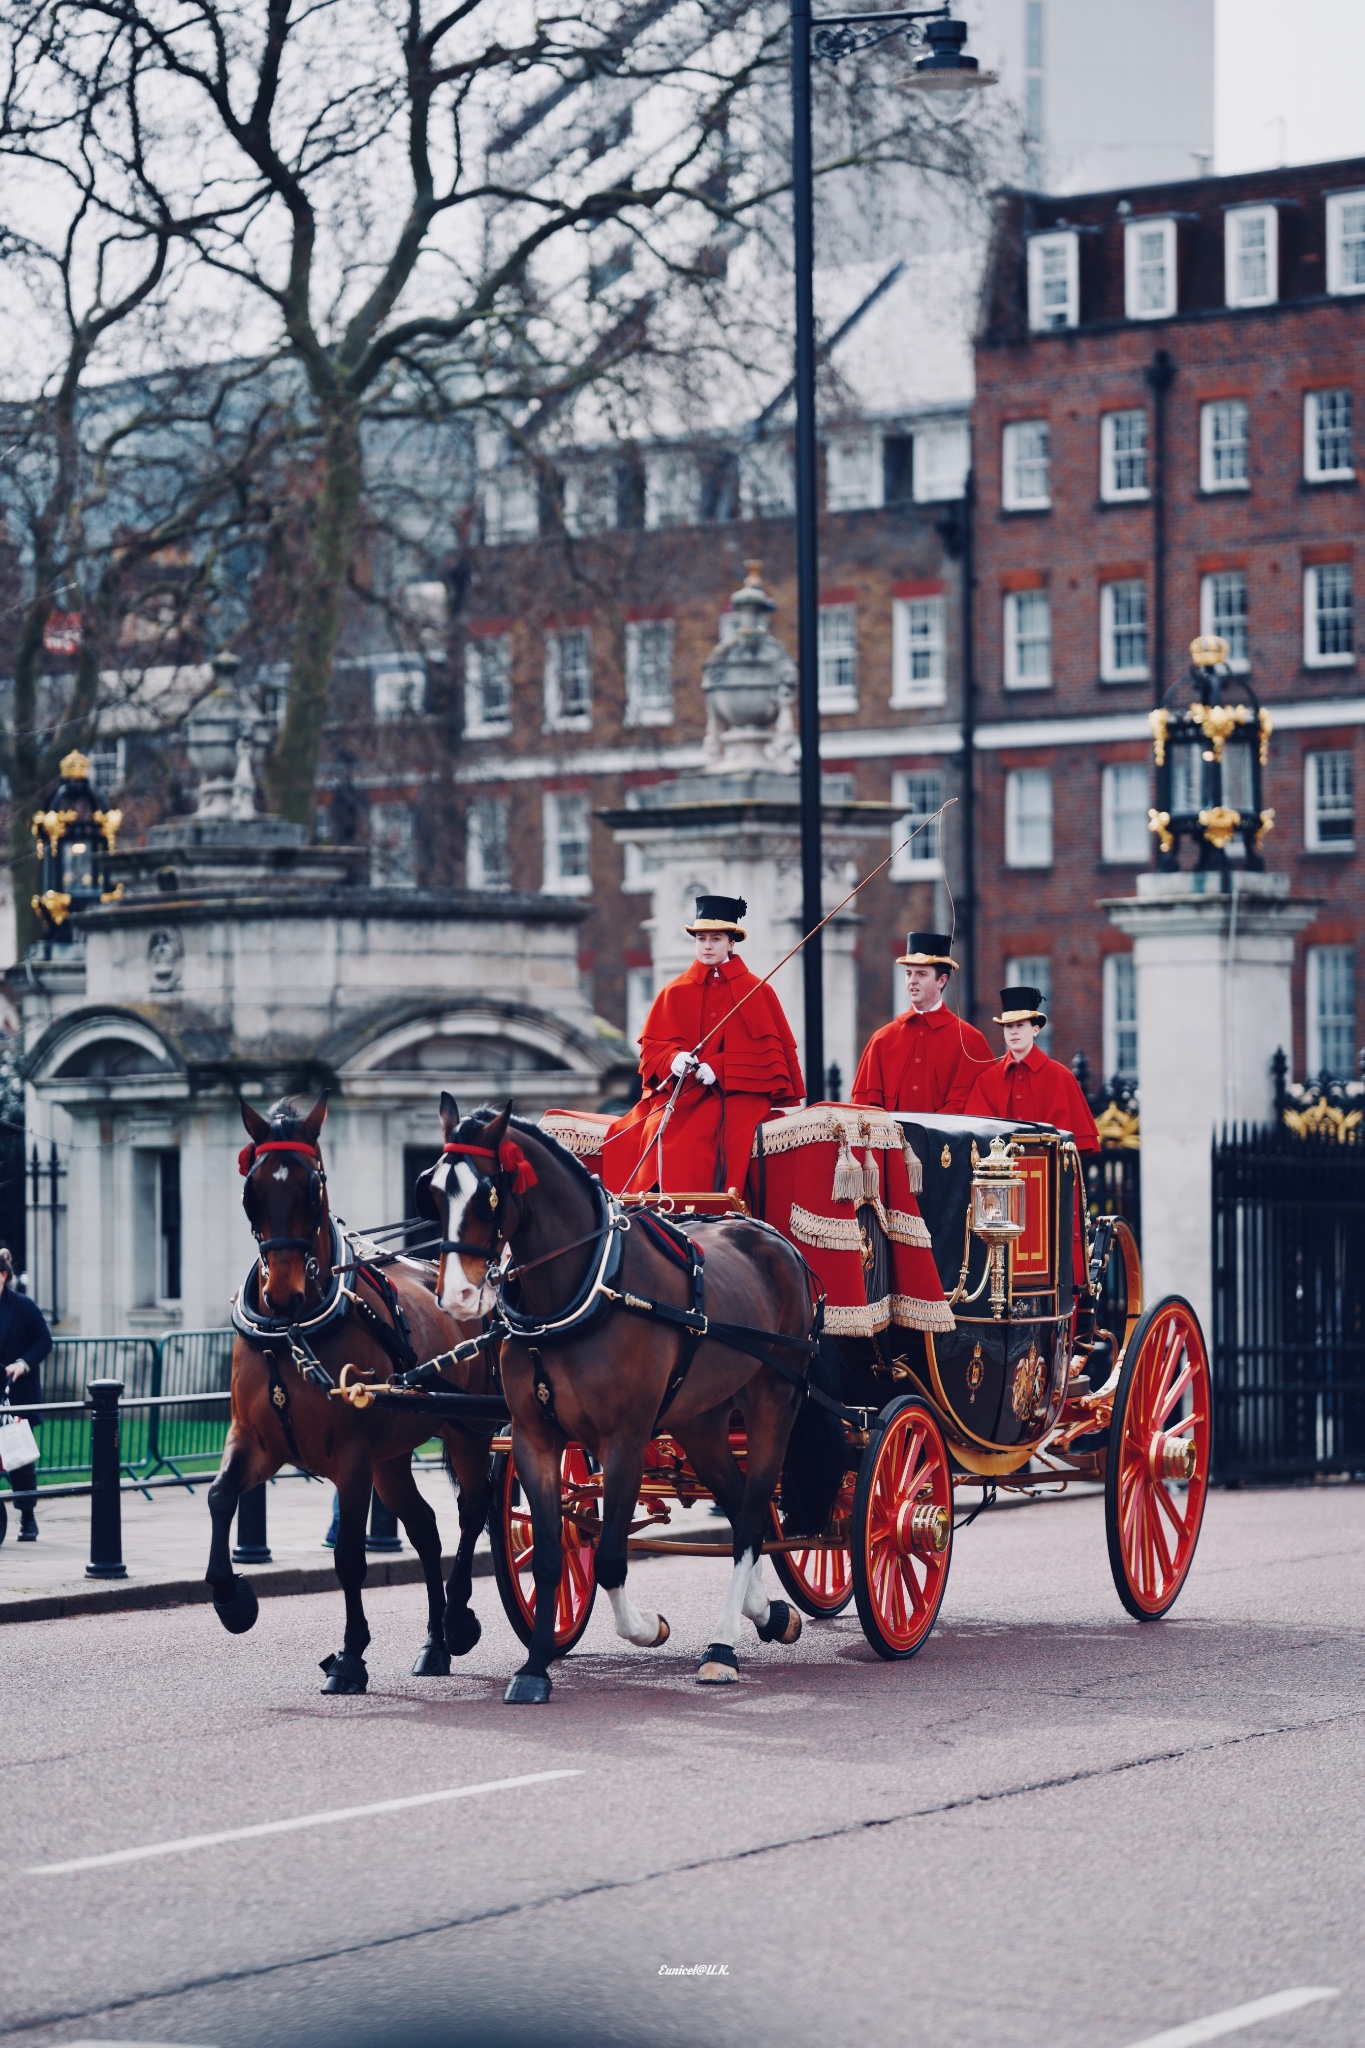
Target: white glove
[[706, 1075], [683, 1063]]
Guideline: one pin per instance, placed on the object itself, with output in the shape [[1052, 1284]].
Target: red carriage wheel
[[509, 1533], [818, 1581], [1157, 1475], [902, 1528]]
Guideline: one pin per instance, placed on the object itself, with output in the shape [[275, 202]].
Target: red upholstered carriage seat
[[832, 1178]]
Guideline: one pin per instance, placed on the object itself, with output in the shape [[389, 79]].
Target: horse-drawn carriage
[[1014, 1371], [951, 1323]]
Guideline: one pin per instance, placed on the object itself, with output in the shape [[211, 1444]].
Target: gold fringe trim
[[921, 1315], [581, 1134], [826, 1126], [829, 1233], [903, 1228], [858, 1322]]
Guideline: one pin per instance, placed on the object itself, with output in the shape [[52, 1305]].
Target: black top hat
[[926, 949], [1021, 1006], [719, 914]]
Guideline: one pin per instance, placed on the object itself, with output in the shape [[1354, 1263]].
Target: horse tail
[[813, 1469]]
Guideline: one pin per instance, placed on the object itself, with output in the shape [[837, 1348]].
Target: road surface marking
[[285, 1827], [1236, 2017]]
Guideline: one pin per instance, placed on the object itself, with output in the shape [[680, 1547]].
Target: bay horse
[[583, 1363], [308, 1308]]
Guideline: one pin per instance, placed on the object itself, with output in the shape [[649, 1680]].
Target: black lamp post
[[946, 67], [74, 839], [1209, 760]]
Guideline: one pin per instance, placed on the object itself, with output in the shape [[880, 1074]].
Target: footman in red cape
[[929, 1058], [1026, 1085]]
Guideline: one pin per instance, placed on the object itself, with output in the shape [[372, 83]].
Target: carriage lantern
[[74, 840], [1209, 762], [998, 1213]]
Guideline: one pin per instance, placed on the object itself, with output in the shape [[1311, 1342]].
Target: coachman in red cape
[[720, 1031]]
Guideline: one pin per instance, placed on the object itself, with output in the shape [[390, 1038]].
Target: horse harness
[[600, 1291], [276, 1335]]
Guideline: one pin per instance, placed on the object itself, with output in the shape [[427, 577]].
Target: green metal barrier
[[155, 1442], [153, 1439], [64, 1440], [189, 1362]]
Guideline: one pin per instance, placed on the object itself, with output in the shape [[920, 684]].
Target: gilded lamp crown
[[1210, 650]]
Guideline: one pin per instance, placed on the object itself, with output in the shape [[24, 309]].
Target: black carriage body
[[998, 1381]]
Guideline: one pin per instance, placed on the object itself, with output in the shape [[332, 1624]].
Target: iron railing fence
[[1288, 1304]]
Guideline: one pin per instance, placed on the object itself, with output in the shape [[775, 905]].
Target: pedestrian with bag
[[25, 1341]]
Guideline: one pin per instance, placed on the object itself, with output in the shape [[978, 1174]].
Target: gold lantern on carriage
[[997, 1213]]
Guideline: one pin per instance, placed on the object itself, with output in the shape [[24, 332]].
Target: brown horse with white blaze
[[585, 1362], [308, 1308]]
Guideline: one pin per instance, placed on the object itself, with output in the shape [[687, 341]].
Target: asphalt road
[[1053, 1827]]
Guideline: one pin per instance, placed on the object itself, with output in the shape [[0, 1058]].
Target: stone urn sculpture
[[749, 682], [211, 734]]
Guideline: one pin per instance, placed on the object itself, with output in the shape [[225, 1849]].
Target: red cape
[[1037, 1090], [928, 1061], [710, 1134]]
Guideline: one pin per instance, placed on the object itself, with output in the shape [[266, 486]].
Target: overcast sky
[[1290, 82]]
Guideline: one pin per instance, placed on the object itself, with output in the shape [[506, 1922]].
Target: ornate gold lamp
[[1209, 762], [998, 1214], [74, 839]]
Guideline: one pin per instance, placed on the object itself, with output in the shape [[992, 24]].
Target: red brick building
[[580, 661], [1169, 384]]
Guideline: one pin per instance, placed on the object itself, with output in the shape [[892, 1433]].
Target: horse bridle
[[317, 1184], [511, 1172], [497, 1185]]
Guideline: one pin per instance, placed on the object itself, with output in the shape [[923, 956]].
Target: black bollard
[[106, 1516], [383, 1526], [251, 1546]]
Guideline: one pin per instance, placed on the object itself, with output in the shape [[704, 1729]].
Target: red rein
[[246, 1158], [510, 1158]]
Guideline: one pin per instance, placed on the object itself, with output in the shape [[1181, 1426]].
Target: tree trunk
[[292, 771]]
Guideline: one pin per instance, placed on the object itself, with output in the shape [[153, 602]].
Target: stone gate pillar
[[1212, 955]]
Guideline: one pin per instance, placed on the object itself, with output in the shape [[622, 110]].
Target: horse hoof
[[662, 1637], [527, 1689], [345, 1672], [782, 1626], [462, 1631], [433, 1660], [238, 1607], [720, 1666]]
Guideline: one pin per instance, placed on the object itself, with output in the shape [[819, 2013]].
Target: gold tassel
[[914, 1169], [872, 1179], [848, 1175]]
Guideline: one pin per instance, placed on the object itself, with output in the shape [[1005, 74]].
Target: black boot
[[23, 1480]]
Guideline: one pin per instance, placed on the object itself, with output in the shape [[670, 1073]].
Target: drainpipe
[[1160, 375]]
